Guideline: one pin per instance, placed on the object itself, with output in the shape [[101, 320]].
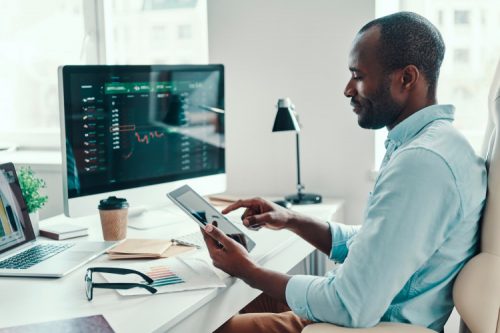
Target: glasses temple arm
[[122, 271], [124, 286]]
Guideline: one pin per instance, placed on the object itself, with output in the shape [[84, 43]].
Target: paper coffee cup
[[114, 217]]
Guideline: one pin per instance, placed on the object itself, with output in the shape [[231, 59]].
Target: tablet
[[203, 213]]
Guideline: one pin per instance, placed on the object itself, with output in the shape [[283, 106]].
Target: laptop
[[20, 253]]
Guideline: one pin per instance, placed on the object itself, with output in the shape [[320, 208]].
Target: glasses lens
[[88, 285]]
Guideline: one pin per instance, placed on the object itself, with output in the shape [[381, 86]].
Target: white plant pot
[[35, 218]]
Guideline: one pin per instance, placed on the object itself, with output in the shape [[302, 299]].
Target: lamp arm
[[300, 187]]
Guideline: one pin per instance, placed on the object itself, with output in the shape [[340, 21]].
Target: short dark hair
[[407, 38]]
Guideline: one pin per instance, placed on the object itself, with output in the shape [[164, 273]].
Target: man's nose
[[349, 90]]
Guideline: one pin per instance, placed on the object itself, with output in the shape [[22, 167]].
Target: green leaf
[[30, 187]]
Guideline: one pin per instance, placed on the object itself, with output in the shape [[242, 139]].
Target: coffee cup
[[114, 215]]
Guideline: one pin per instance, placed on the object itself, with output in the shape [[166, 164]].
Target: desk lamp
[[286, 120]]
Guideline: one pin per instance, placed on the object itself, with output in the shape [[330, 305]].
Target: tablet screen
[[202, 212]]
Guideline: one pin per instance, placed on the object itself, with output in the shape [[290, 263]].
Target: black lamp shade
[[285, 121]]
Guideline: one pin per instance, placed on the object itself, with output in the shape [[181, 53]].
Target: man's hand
[[260, 212], [227, 254], [232, 258]]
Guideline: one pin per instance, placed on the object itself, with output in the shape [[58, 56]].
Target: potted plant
[[30, 188]]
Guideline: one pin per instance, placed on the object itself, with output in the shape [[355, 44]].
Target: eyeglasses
[[115, 270]]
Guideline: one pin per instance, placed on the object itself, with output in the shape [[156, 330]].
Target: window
[[461, 56], [158, 31], [184, 31], [440, 18], [159, 34], [470, 61], [462, 17], [35, 38], [38, 36]]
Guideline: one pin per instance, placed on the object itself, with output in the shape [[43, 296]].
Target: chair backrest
[[476, 292]]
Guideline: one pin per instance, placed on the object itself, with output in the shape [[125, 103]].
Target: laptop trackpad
[[76, 255]]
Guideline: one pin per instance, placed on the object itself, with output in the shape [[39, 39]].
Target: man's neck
[[414, 106]]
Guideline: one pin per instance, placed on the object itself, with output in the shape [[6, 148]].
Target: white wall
[[299, 49]]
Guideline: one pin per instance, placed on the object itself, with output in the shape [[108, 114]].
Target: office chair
[[476, 291]]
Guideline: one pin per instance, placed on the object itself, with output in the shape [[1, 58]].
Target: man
[[421, 220]]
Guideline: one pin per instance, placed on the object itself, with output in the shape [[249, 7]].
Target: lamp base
[[304, 198]]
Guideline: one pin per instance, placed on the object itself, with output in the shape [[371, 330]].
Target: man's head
[[395, 63]]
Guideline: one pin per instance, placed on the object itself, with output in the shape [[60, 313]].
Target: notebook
[[20, 253], [63, 231], [147, 248]]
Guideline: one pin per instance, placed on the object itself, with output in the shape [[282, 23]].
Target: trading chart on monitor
[[126, 128]]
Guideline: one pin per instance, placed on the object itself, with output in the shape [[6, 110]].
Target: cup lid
[[113, 203]]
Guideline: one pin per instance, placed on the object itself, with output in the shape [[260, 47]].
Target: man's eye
[[356, 77]]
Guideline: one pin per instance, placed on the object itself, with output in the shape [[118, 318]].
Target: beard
[[379, 110]]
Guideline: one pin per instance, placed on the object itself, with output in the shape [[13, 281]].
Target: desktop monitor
[[139, 132]]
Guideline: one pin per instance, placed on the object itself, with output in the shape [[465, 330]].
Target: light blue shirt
[[420, 227]]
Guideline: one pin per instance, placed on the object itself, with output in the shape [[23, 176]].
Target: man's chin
[[363, 122], [368, 123]]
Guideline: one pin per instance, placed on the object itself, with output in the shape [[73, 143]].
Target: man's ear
[[409, 77]]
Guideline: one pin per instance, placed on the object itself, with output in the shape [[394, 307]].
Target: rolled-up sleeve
[[341, 234], [408, 216], [295, 295]]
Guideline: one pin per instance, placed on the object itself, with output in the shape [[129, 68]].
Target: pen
[[181, 242]]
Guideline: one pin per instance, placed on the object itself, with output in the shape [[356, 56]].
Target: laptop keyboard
[[33, 256]]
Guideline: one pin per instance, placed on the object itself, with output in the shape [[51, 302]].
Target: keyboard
[[33, 256]]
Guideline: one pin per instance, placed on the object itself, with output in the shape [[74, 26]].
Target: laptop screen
[[15, 225]]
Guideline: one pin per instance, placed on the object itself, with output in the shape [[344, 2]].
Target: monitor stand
[[166, 215]]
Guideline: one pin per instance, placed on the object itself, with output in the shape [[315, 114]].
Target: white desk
[[31, 300]]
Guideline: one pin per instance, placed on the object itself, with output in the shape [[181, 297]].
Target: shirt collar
[[409, 127]]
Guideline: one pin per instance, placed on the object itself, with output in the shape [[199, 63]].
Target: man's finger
[[248, 212], [204, 234], [218, 235], [212, 244], [257, 220], [247, 203], [208, 238], [254, 226], [234, 206]]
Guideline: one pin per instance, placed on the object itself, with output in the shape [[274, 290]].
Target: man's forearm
[[314, 231], [270, 282]]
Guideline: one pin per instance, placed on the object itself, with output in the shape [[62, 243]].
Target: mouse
[[283, 203]]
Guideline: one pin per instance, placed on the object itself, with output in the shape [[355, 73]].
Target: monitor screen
[[133, 126]]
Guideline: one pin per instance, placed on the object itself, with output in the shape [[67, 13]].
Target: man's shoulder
[[440, 142], [437, 133], [440, 138]]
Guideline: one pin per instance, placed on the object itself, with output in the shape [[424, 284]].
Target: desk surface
[[31, 300]]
